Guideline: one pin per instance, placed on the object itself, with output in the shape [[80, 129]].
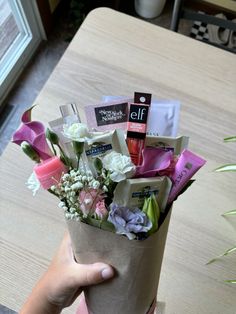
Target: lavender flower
[[127, 221]]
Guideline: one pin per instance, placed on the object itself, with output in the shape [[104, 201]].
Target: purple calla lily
[[155, 159], [33, 132]]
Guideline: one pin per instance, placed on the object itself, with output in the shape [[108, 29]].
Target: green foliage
[[224, 168]]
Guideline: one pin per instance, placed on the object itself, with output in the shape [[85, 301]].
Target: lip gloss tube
[[136, 134]]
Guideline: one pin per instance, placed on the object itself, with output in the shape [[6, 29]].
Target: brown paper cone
[[137, 263]]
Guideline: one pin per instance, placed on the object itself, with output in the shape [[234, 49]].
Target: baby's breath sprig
[[69, 188]]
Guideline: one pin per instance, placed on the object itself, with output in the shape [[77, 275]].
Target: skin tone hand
[[63, 281]]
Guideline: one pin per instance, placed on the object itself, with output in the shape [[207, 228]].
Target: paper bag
[[137, 264]]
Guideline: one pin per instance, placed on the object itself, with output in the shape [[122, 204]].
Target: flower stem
[[78, 159], [53, 149], [67, 160]]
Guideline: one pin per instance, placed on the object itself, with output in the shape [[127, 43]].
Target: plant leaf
[[230, 139], [229, 251], [230, 213], [224, 254], [105, 225], [231, 281], [227, 167]]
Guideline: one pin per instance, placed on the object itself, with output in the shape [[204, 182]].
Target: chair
[[181, 12]]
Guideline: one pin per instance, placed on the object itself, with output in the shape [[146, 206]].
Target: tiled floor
[[37, 72]]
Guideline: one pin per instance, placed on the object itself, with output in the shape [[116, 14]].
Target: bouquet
[[116, 187]]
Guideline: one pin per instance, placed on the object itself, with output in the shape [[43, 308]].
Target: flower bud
[[151, 209], [78, 147], [29, 151], [98, 164], [52, 137]]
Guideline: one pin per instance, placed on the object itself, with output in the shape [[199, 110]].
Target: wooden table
[[114, 54]]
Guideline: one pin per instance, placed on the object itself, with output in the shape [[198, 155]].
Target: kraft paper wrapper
[[137, 265]]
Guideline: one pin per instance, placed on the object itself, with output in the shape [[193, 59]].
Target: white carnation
[[76, 131], [33, 183], [121, 166]]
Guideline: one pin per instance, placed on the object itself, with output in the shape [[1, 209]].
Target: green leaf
[[230, 139], [231, 281], [231, 250], [230, 213], [227, 167]]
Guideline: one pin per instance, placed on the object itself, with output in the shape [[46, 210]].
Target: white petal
[[33, 183]]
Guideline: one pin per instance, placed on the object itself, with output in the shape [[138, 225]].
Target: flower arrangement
[[108, 199]]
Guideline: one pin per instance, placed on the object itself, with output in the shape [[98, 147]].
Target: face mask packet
[[163, 118], [108, 116], [66, 144], [132, 192], [178, 143], [103, 143], [187, 165]]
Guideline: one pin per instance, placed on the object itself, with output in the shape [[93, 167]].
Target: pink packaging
[[49, 172], [187, 165], [108, 116]]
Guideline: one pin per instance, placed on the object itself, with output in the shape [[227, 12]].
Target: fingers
[[86, 275]]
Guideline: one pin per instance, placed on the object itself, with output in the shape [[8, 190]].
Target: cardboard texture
[[137, 264]]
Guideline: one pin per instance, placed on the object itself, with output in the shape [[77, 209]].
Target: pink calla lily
[[33, 132], [155, 159]]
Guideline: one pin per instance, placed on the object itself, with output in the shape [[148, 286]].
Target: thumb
[[91, 274]]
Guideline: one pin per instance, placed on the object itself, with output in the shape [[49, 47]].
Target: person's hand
[[63, 282]]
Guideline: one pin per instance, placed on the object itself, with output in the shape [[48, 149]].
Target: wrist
[[39, 301]]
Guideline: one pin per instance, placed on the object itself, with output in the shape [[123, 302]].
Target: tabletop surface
[[114, 54]]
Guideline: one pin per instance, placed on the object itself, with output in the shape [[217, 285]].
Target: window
[[20, 35]]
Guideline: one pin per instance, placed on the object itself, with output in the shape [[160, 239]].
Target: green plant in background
[[224, 168], [77, 11]]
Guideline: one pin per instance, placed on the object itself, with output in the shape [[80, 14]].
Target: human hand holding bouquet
[[106, 194]]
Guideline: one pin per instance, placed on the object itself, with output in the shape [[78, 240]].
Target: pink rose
[[101, 211], [88, 200]]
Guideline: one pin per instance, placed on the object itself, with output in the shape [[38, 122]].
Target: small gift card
[[107, 116]]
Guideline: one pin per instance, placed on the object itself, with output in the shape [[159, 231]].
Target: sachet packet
[[132, 192], [178, 143]]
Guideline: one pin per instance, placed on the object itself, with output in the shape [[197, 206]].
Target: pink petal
[[24, 133], [26, 117], [41, 146], [33, 132], [155, 159]]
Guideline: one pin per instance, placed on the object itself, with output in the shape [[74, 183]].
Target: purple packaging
[[187, 165]]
